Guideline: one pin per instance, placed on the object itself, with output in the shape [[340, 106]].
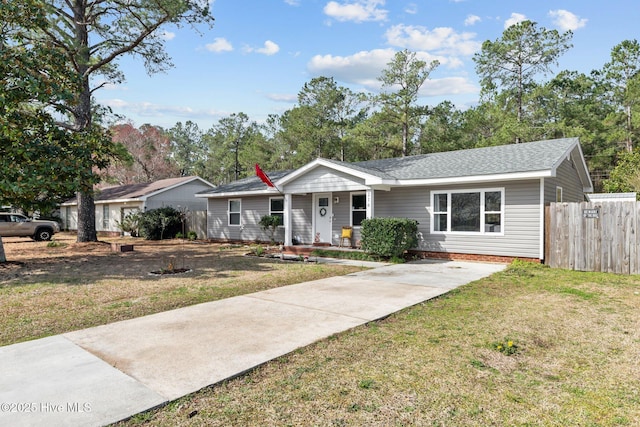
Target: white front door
[[322, 218]]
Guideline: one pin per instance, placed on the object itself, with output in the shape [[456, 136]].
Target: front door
[[322, 218]]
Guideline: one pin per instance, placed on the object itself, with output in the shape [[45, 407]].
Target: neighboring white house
[[114, 203], [611, 197], [484, 202]]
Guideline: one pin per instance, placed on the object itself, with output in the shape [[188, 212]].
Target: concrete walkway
[[101, 375]]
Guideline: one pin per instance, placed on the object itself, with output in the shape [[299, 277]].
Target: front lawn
[[529, 346], [49, 288]]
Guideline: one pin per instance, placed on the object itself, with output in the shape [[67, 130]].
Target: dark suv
[[16, 225]]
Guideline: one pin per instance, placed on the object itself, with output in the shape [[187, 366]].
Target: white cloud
[[364, 68], [270, 48], [168, 35], [442, 40], [514, 19], [282, 97], [448, 86], [411, 9], [566, 20], [356, 11], [292, 2], [149, 109], [471, 20], [220, 44]]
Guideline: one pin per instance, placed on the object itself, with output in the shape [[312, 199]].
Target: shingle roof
[[134, 191], [251, 183], [503, 159]]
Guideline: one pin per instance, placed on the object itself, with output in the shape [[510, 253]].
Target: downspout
[[542, 223]]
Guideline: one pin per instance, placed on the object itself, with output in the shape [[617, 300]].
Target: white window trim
[[482, 231], [280, 212], [357, 193], [229, 212]]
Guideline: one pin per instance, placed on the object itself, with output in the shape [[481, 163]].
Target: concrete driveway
[[101, 375]]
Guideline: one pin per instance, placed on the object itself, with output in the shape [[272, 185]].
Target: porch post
[[370, 202], [288, 238]]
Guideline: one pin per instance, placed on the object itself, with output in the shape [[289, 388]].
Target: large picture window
[[473, 211], [358, 208], [235, 210], [276, 208]]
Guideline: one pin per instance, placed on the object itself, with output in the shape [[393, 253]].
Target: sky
[[259, 53]]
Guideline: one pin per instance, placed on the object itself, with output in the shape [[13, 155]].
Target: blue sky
[[259, 53]]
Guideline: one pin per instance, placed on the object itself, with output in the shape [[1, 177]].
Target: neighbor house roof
[[514, 161], [139, 191]]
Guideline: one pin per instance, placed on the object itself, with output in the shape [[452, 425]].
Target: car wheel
[[43, 234]]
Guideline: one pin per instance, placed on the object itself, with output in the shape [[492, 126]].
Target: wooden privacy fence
[[197, 221], [593, 236]]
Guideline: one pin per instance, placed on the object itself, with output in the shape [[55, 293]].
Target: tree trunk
[[3, 257], [82, 116], [629, 143], [86, 218]]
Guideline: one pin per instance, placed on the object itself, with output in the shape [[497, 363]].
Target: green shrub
[[270, 223], [130, 223], [389, 237], [192, 235], [157, 224]]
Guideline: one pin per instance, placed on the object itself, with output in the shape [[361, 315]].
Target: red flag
[[263, 176]]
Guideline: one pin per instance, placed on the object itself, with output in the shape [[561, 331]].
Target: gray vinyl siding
[[301, 218], [328, 180], [252, 209], [567, 178], [183, 196], [521, 219]]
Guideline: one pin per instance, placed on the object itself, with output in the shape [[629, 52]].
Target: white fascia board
[[368, 178], [300, 171], [477, 178], [273, 192], [580, 163]]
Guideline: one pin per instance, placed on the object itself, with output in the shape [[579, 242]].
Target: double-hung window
[[468, 211], [276, 208], [235, 210], [358, 208], [105, 217]]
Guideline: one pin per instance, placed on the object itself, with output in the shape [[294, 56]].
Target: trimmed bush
[[389, 237], [161, 223], [270, 223]]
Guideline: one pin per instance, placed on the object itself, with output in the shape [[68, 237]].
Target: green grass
[[355, 255], [577, 340], [56, 295]]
